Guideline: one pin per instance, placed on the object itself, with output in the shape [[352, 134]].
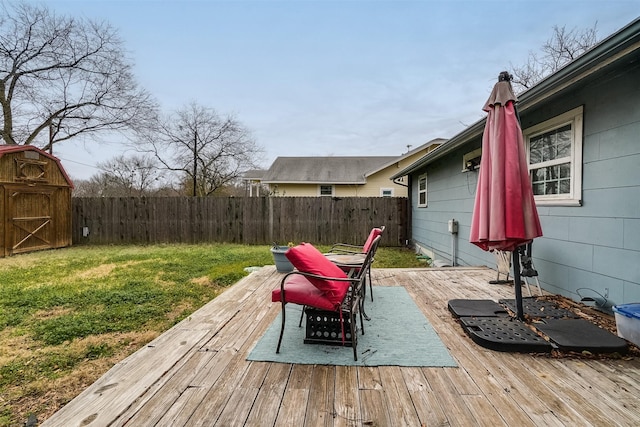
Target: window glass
[[551, 145], [326, 190], [552, 179], [555, 158], [422, 190]]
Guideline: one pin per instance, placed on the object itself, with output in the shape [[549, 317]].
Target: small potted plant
[[282, 263]]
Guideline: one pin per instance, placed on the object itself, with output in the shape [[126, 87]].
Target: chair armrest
[[317, 276], [330, 296]]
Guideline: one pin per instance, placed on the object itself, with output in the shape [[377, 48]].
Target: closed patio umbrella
[[504, 213]]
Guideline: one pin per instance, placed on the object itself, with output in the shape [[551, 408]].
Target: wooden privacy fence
[[246, 220]]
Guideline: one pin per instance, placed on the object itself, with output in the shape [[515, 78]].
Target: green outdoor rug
[[398, 334]]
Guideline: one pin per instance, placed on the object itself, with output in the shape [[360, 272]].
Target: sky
[[330, 77]]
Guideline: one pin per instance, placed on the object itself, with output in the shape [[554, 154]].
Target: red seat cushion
[[305, 257], [375, 232], [299, 290]]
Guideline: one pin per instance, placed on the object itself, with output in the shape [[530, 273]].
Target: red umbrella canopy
[[504, 213]]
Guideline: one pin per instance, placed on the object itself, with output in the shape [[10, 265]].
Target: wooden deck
[[196, 374]]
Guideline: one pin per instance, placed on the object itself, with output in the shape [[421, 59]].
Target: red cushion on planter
[[299, 290], [305, 257], [375, 232]]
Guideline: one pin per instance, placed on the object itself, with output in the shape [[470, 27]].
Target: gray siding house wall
[[589, 247]]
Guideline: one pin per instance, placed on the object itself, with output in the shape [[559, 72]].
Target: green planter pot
[[282, 263]]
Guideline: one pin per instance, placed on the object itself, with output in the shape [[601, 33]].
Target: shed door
[[29, 220]]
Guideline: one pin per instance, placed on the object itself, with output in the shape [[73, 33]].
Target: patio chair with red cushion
[[370, 245], [354, 249], [320, 284]]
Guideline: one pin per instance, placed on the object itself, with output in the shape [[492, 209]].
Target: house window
[[554, 149], [422, 191], [325, 190], [471, 160], [386, 192]]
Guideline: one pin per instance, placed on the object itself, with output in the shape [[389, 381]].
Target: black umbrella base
[[504, 334], [579, 335], [489, 325], [539, 309], [476, 308]]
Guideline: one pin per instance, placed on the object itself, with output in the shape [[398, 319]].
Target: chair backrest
[[355, 291], [374, 247], [375, 232]]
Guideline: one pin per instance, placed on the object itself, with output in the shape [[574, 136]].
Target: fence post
[[270, 218]]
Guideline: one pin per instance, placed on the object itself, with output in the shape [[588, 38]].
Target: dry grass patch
[[14, 345], [103, 270], [97, 272], [206, 281], [51, 313]]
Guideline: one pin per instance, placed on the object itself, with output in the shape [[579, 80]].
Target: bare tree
[[61, 77], [91, 187], [137, 175], [207, 150], [562, 47], [123, 177]]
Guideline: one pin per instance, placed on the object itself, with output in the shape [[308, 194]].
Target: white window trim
[[473, 157], [420, 177], [382, 191], [575, 118], [333, 190]]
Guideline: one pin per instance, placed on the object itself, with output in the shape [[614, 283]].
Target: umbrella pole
[[517, 280], [517, 284]]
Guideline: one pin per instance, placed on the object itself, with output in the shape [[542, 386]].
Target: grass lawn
[[68, 315]]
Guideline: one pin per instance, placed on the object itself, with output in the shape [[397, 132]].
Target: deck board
[[196, 374], [399, 404], [293, 406], [429, 410], [320, 411], [347, 406]]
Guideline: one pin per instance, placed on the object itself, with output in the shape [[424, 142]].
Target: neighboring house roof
[[324, 170], [254, 174], [433, 143], [332, 169], [620, 48]]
